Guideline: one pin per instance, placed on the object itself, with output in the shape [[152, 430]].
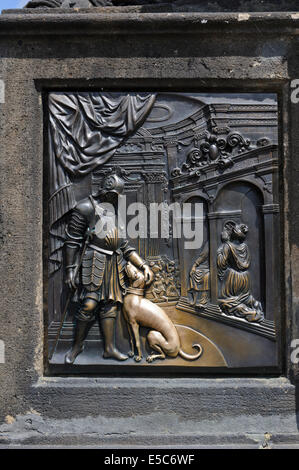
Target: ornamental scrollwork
[[213, 150]]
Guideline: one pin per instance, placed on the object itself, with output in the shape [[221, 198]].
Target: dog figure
[[139, 311]]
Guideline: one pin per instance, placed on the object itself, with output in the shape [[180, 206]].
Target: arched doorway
[[242, 202]]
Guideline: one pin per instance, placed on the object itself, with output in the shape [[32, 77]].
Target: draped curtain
[[85, 130]]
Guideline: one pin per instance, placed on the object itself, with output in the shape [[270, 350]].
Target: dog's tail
[[190, 357]]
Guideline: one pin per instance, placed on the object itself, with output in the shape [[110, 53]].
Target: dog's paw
[[149, 359], [131, 354], [138, 358]]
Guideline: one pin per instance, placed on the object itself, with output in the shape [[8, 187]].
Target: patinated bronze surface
[[104, 258], [153, 300]]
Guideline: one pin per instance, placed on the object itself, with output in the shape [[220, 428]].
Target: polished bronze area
[[163, 231], [138, 311]]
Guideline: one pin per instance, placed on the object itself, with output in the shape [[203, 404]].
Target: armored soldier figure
[[102, 275]]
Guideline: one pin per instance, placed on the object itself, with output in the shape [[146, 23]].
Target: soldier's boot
[[81, 332], [110, 350], [193, 298]]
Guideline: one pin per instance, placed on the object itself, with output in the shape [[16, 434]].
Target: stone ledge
[[271, 383], [155, 430], [187, 399]]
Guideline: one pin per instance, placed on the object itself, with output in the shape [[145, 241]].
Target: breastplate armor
[[105, 230]]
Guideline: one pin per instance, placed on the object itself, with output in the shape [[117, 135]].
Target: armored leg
[[108, 314], [85, 320], [193, 297]]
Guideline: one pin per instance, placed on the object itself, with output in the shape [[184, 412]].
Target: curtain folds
[[85, 130]]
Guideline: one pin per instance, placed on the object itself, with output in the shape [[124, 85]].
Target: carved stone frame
[[202, 69]]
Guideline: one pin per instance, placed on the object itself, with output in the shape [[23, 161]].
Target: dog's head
[[135, 277]]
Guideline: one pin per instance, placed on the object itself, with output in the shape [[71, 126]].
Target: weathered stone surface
[[173, 5], [59, 416]]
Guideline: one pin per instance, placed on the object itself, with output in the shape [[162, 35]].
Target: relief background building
[[223, 74]]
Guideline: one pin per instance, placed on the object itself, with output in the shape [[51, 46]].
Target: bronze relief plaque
[[163, 232]]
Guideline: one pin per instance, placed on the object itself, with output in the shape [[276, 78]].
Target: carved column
[[271, 214], [156, 184], [172, 155]]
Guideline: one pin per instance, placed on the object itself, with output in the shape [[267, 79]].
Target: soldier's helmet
[[113, 184], [112, 187]]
